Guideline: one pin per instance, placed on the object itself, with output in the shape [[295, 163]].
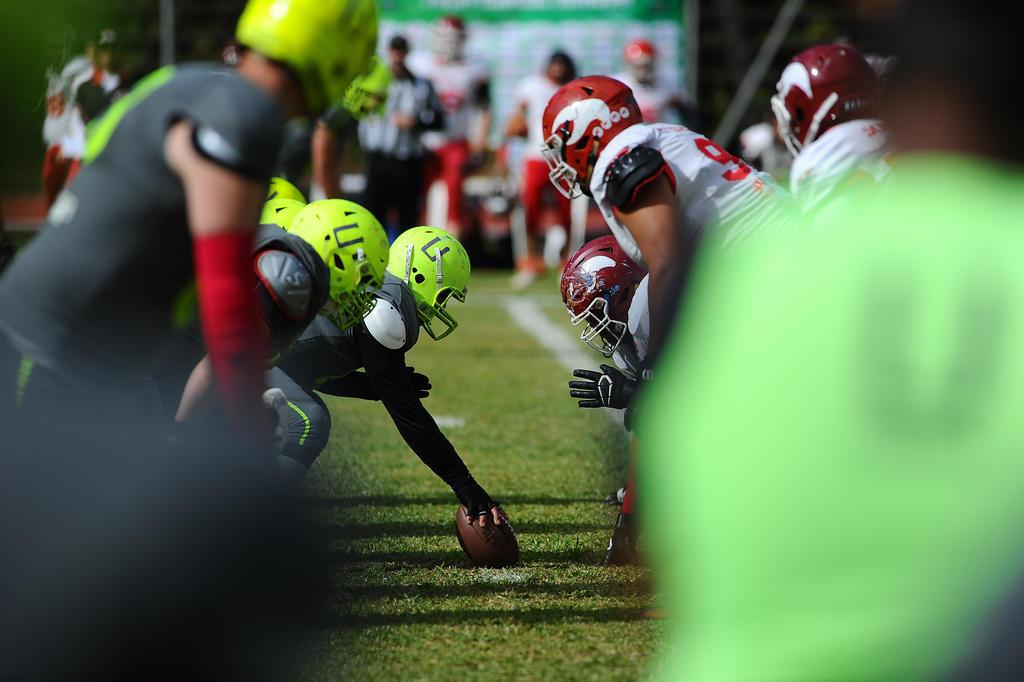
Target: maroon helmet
[[581, 118], [597, 287], [823, 86]]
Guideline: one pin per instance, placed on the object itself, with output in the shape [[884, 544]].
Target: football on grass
[[490, 546]]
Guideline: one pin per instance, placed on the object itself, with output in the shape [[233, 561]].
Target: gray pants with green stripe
[[304, 421]]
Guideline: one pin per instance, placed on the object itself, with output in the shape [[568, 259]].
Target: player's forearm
[[353, 385], [664, 286], [198, 391], [326, 162], [480, 143]]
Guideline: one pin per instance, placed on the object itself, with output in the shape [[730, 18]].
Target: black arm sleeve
[[352, 385], [431, 116], [389, 377], [630, 172], [482, 95]]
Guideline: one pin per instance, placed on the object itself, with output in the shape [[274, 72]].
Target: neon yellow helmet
[[354, 247], [280, 212], [368, 93], [436, 267], [326, 42], [282, 189]]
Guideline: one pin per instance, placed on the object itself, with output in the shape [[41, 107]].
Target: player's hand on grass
[[607, 388], [421, 382], [479, 505]]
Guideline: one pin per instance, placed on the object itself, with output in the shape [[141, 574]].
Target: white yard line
[[566, 348]]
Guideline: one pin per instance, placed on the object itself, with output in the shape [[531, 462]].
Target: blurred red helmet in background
[[822, 87]]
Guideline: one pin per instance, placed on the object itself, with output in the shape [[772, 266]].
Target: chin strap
[[408, 262], [437, 260]]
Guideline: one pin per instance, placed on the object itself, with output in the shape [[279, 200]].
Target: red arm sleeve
[[232, 330]]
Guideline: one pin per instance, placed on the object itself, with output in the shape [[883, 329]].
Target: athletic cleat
[[622, 545]]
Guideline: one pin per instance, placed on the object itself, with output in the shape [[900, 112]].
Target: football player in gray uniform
[[163, 212], [332, 254], [427, 268]]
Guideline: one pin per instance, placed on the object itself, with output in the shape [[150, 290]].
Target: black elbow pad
[[630, 172]]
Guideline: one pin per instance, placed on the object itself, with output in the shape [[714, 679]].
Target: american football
[[490, 545], [718, 297]]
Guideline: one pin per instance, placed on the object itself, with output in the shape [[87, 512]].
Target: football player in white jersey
[[606, 293], [659, 102], [825, 107], [659, 187], [463, 86], [532, 95]]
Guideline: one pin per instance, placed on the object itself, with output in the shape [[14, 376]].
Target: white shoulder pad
[[386, 325]]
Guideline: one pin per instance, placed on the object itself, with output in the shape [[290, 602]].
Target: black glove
[[421, 382], [607, 388], [474, 498]]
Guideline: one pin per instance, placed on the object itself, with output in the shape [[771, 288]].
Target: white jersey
[[64, 126], [534, 92], [631, 354], [713, 187], [843, 154], [456, 84], [654, 100]]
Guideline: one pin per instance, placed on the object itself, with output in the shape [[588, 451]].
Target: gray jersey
[[325, 353], [99, 293]]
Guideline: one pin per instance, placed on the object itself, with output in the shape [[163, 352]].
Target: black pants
[[394, 183]]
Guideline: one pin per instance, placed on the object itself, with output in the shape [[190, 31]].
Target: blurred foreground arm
[[223, 208]]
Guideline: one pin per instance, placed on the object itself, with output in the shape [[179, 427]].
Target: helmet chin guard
[[563, 176], [601, 332]]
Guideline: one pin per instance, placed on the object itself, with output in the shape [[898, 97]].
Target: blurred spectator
[[659, 102], [392, 143], [80, 92], [532, 97], [834, 458], [463, 86]]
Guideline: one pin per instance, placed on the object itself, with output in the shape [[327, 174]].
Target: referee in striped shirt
[[391, 142]]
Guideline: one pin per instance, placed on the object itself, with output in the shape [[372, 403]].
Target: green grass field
[[404, 601]]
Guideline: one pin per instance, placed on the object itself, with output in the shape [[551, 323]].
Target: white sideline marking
[[564, 346], [450, 422]]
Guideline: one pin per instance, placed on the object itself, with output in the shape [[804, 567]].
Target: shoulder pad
[[630, 172], [236, 125], [287, 282], [386, 325]]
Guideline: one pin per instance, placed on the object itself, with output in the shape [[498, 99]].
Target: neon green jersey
[[834, 443]]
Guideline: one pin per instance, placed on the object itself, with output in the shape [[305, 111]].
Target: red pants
[[448, 163], [57, 172], [535, 182]]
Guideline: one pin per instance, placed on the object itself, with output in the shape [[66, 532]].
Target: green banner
[[533, 10]]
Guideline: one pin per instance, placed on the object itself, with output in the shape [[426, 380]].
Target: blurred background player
[[463, 85], [392, 144], [659, 102], [83, 89], [366, 96], [659, 187], [532, 95], [165, 209], [427, 269], [826, 108], [606, 293]]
